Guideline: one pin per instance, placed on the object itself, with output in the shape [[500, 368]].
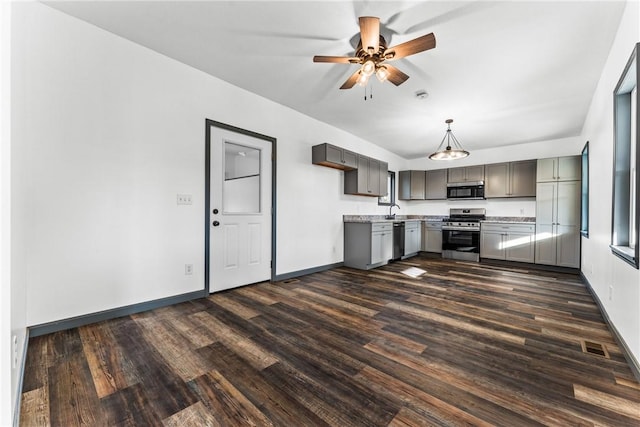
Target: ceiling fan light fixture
[[453, 149], [368, 68], [363, 79], [371, 50], [382, 73]]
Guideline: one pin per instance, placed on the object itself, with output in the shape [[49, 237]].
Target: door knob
[[216, 223]]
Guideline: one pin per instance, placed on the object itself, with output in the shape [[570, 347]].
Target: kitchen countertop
[[436, 218], [381, 218], [511, 219]]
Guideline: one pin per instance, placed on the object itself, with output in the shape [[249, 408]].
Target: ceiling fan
[[373, 54]]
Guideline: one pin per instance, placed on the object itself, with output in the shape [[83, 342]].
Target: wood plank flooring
[[462, 344]]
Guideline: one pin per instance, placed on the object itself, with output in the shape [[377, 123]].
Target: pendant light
[[453, 148]]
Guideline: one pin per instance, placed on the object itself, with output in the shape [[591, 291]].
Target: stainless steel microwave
[[465, 190]]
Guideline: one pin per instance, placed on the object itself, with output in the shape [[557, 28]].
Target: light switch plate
[[184, 199]]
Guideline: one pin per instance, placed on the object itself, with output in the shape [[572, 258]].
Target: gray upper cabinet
[[366, 180], [411, 185], [467, 173], [497, 182], [559, 169], [378, 171], [334, 157], [523, 179], [436, 185], [512, 179], [383, 173], [425, 185]]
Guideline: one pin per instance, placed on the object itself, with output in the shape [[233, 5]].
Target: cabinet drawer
[[381, 226], [411, 224], [515, 228], [433, 225]]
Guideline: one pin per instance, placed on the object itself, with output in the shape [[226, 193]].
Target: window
[[625, 217], [390, 198], [584, 211]]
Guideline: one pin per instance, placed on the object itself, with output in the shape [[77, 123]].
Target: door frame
[[207, 191]]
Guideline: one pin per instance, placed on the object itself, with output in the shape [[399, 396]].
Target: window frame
[[584, 208], [391, 184], [626, 181]]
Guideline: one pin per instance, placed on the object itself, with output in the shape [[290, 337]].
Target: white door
[[240, 210]]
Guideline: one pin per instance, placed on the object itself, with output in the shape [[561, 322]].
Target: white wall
[[521, 207], [6, 388], [107, 132], [512, 153], [599, 265], [12, 285]]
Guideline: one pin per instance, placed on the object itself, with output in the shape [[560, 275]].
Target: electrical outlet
[[522, 212], [14, 346], [188, 269], [184, 199], [610, 292]]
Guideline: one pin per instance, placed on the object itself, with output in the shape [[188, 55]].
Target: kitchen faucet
[[390, 208]]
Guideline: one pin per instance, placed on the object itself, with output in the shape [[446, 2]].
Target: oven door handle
[[445, 228]]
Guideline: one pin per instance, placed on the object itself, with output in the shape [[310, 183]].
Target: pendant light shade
[[452, 150]]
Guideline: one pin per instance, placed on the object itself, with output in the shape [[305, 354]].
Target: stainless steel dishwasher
[[398, 240]]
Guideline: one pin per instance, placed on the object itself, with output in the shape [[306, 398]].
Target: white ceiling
[[506, 72]]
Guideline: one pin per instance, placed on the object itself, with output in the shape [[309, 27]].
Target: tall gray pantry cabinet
[[558, 211]]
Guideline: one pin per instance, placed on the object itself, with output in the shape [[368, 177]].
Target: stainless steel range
[[461, 234]]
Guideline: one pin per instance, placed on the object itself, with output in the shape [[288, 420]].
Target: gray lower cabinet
[[367, 244], [507, 241], [432, 236], [412, 238], [512, 179], [369, 179]]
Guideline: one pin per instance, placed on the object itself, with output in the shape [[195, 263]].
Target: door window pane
[[241, 188]]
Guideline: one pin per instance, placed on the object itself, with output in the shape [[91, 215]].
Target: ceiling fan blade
[[370, 33], [395, 76], [351, 81], [420, 44], [336, 59]]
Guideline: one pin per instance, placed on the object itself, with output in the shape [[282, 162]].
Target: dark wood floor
[[463, 344]]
